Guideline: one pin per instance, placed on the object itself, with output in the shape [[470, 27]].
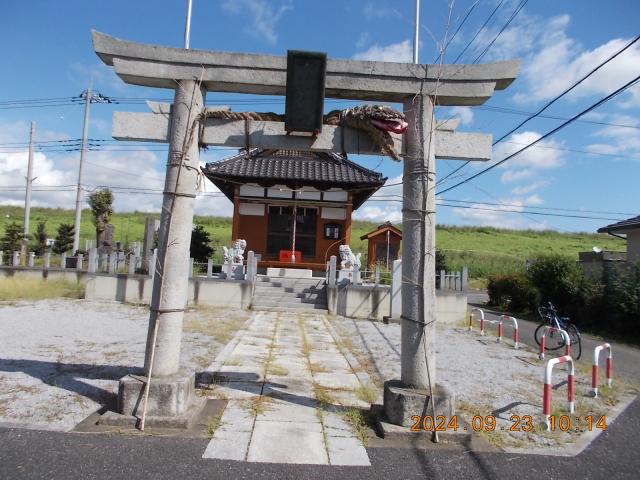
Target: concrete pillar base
[[401, 403], [169, 396]]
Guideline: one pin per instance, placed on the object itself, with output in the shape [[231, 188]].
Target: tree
[[101, 203], [40, 237], [64, 238], [200, 249], [12, 240]]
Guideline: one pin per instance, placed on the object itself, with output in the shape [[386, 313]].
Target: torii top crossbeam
[[156, 66]]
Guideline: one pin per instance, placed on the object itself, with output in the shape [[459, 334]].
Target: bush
[[12, 240], [64, 238], [514, 292], [200, 249], [557, 278]]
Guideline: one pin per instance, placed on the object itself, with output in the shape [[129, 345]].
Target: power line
[[513, 15], [546, 135], [444, 49], [479, 30]]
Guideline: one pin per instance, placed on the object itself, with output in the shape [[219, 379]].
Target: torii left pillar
[[171, 392]]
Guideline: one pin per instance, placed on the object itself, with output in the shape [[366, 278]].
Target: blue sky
[[591, 166]]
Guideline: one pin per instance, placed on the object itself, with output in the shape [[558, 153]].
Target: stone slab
[[302, 410], [402, 402], [288, 442], [345, 381], [347, 451], [228, 445], [168, 395], [289, 272]]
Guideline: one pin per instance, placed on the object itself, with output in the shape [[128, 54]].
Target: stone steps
[[286, 294]]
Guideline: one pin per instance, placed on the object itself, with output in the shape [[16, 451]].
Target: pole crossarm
[[157, 66], [154, 127]]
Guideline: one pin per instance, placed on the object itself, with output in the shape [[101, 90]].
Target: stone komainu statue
[[235, 254], [347, 257]]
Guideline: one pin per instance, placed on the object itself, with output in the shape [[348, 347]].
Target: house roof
[[381, 229], [623, 226], [294, 169]]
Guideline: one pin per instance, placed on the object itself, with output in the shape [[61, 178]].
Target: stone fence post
[[31, 259], [91, 267], [63, 260], [16, 259], [47, 261], [132, 264], [79, 260], [152, 262], [332, 270], [209, 267], [191, 262], [1, 258], [113, 262]]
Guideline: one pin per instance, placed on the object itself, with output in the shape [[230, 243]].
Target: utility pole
[[416, 33], [83, 149], [187, 26], [27, 196]]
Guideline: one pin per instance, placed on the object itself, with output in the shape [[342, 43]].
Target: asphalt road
[[47, 455]]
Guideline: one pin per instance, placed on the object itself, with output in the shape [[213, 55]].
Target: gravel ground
[[60, 360], [487, 378]]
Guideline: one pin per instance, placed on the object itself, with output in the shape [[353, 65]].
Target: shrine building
[[292, 207]]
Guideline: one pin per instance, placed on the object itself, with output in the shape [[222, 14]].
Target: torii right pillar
[[416, 393]]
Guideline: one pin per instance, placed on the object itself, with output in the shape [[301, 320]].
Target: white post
[[418, 361], [91, 267], [1, 258], [209, 267], [443, 279], [63, 260], [187, 26], [132, 264], [79, 259], [152, 262], [396, 289], [356, 275], [332, 270], [191, 268], [113, 262], [416, 32], [465, 279], [31, 259], [46, 261], [250, 266], [376, 275], [16, 259]]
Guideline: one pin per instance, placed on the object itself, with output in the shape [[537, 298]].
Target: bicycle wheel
[[553, 340], [576, 343]]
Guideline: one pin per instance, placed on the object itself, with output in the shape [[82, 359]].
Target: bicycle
[[554, 339]]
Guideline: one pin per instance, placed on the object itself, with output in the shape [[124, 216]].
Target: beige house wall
[[633, 247]]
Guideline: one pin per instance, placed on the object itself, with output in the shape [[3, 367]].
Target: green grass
[[32, 289], [485, 250]]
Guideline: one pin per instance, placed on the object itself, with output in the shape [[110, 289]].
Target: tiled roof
[[293, 165], [628, 224], [296, 169]]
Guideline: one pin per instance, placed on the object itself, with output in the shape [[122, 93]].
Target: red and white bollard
[[565, 335], [516, 331], [594, 368], [546, 395], [471, 317]]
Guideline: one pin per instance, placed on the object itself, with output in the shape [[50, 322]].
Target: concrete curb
[[585, 439]]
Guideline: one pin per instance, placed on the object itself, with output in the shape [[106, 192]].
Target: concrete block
[[289, 272], [347, 451], [169, 396], [402, 402], [288, 442], [228, 445]]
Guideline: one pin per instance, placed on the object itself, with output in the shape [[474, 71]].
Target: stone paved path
[[288, 389]]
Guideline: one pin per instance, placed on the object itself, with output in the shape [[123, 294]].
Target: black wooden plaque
[[304, 106]]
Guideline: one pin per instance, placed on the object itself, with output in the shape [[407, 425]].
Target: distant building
[[630, 228], [278, 192], [383, 244]]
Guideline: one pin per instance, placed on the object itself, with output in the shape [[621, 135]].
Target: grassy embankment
[[486, 251], [36, 289]]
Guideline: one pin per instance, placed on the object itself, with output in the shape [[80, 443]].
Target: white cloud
[[531, 187], [396, 52], [57, 174], [385, 204], [263, 15], [623, 141], [465, 114], [372, 12], [542, 156]]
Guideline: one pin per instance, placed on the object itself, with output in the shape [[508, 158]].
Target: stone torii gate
[[192, 73]]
